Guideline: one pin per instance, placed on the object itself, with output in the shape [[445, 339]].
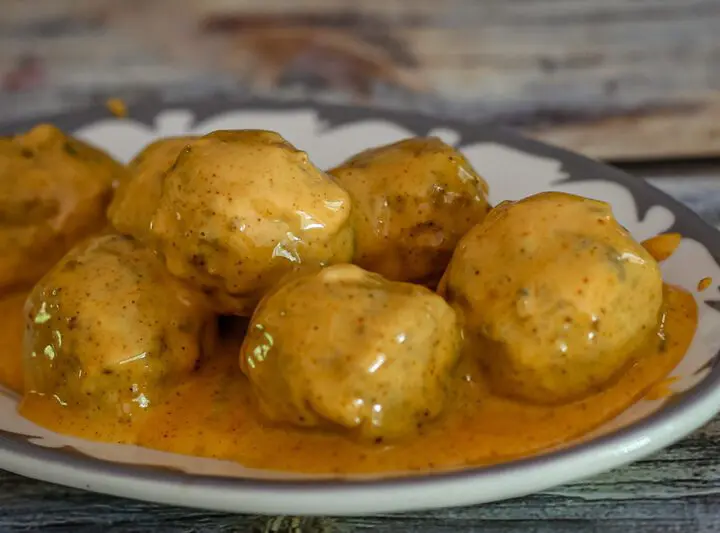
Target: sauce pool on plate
[[12, 326], [548, 321], [213, 414]]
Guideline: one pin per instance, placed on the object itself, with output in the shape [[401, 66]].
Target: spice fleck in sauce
[[213, 414]]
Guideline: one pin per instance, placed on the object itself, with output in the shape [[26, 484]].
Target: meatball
[[107, 327], [240, 209], [54, 191], [348, 348], [412, 201], [137, 198], [554, 295]]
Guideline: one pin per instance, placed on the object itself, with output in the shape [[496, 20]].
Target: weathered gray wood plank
[[618, 79]]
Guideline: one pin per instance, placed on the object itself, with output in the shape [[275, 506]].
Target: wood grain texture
[[618, 79]]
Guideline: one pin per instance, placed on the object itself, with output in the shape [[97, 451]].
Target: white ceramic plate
[[514, 167]]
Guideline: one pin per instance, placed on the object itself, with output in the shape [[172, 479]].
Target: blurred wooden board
[[617, 79]]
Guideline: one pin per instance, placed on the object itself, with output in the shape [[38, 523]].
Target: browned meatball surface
[[240, 209], [347, 348], [107, 328], [412, 201], [137, 198], [54, 191], [555, 296]]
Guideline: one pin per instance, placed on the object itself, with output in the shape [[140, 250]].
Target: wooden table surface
[[634, 81], [620, 79]]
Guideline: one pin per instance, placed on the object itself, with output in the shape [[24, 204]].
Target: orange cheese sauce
[[12, 325], [662, 389], [213, 414], [662, 246]]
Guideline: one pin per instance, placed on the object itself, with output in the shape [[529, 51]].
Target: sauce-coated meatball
[[412, 201], [348, 348], [137, 198], [240, 209], [54, 191], [107, 328], [555, 296]]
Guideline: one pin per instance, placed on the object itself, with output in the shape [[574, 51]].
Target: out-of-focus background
[[624, 80]]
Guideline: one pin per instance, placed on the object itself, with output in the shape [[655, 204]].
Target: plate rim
[[667, 425]]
